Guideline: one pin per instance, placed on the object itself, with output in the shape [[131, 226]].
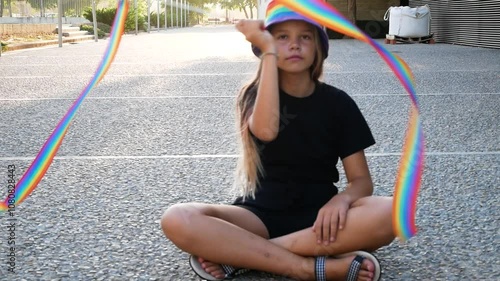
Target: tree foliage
[[107, 16], [245, 6], [6, 4], [47, 4], [70, 7]]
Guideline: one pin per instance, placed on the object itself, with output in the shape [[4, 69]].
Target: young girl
[[291, 219]]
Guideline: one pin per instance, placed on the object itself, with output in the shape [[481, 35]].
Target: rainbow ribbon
[[40, 165], [411, 162]]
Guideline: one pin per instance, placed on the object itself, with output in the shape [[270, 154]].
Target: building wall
[[366, 9], [465, 22], [369, 15]]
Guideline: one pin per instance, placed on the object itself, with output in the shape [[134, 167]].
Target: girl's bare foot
[[213, 269], [337, 269]]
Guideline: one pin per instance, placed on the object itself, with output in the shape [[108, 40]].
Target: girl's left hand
[[331, 218], [256, 34]]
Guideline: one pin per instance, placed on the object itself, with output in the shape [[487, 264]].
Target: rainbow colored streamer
[[411, 162], [40, 165]]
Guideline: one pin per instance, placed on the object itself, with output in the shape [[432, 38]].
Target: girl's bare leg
[[209, 231], [234, 236], [368, 227]]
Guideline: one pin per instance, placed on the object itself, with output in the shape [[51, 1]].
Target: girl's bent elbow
[[263, 133], [266, 135], [370, 188]]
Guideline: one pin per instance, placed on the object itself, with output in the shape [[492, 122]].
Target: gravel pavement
[[159, 130]]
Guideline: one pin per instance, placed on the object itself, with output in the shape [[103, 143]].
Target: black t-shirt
[[314, 132]]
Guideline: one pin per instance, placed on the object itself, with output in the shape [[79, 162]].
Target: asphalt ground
[[159, 130]]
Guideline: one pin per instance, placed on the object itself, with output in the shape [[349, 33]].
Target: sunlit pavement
[[159, 130]]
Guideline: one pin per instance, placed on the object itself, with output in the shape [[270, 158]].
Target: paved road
[[159, 130]]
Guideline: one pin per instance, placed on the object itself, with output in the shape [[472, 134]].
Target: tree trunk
[[251, 4], [9, 4], [1, 8], [245, 10]]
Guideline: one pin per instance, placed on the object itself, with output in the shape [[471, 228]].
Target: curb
[[35, 44]]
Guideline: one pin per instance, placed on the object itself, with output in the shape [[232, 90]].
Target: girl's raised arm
[[264, 119]]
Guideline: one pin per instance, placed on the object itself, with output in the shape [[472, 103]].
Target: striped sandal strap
[[319, 268], [232, 272], [352, 274]]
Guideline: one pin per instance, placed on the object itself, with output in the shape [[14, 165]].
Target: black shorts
[[287, 208]]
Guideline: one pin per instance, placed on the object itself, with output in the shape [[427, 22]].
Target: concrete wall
[[34, 25], [25, 29]]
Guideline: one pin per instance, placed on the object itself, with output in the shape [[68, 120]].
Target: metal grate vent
[[465, 22]]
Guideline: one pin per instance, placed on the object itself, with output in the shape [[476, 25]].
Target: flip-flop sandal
[[354, 268], [228, 270]]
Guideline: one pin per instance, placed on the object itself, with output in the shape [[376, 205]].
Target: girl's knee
[[383, 209], [175, 219], [379, 211], [381, 203]]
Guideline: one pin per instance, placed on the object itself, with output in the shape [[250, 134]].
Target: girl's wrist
[[268, 54], [346, 197], [269, 49]]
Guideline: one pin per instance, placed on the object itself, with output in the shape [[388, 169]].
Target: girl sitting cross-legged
[[291, 220]]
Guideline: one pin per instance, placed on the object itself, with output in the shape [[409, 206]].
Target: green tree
[[8, 4], [245, 6], [201, 3], [42, 5], [70, 7], [107, 15]]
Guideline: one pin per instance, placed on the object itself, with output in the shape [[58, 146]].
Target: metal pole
[[136, 18], [158, 15], [181, 13], [59, 21], [94, 17], [149, 15], [176, 13], [171, 13]]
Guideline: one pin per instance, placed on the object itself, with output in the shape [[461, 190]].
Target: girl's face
[[296, 45]]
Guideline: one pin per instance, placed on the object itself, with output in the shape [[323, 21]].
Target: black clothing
[[315, 131]]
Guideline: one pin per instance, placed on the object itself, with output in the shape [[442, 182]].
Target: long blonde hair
[[249, 165]]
